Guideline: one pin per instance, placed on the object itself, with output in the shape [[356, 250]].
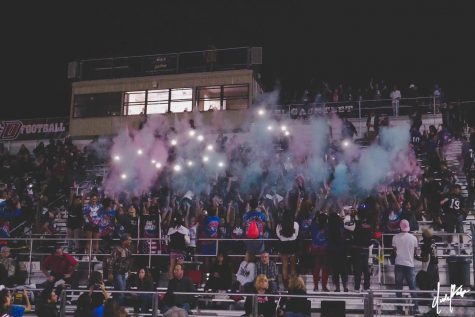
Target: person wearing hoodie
[[179, 237]]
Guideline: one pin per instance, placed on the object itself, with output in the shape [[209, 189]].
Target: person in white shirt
[[246, 274], [405, 247], [395, 97]]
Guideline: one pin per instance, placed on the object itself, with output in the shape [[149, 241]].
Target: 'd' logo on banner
[[9, 130]]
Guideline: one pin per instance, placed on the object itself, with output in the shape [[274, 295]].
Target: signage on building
[[160, 64], [33, 129]]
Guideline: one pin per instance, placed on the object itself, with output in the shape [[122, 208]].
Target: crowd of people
[[305, 224]]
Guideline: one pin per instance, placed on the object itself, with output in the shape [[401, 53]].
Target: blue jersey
[[212, 226], [257, 216]]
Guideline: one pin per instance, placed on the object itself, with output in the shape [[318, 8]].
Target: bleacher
[[382, 279]]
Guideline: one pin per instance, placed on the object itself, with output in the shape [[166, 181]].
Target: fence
[[35, 250], [163, 64], [369, 303]]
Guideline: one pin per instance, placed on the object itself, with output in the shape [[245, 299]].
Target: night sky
[[424, 41]]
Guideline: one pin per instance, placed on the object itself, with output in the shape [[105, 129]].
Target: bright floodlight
[[205, 159], [139, 152], [221, 164], [200, 138], [153, 161], [209, 147], [123, 176], [345, 143], [190, 163], [287, 133], [283, 128], [173, 142], [261, 112], [158, 165], [177, 168], [269, 128], [192, 133], [116, 158]]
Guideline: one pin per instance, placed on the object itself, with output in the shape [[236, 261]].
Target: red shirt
[[59, 264]]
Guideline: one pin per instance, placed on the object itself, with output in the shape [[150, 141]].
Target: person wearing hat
[[119, 264], [405, 247], [428, 257], [60, 266]]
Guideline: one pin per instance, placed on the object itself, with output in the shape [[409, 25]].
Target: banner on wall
[[160, 64], [33, 129]]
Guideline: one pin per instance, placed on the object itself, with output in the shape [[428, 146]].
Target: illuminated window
[[181, 100], [232, 97], [134, 103], [157, 101]]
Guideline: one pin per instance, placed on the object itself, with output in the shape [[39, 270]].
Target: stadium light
[[192, 133], [158, 165], [116, 158], [261, 112], [209, 147], [139, 152], [200, 138], [190, 163], [173, 142], [177, 168], [205, 159], [123, 176]]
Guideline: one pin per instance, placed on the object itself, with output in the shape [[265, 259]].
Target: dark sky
[[425, 41]]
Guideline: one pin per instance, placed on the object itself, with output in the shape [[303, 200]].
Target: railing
[[162, 64], [368, 303], [371, 302], [360, 108], [380, 250]]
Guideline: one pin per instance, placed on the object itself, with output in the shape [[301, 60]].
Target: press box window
[[231, 97], [157, 101], [97, 105], [134, 102], [181, 100]]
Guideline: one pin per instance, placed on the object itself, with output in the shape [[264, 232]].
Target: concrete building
[[111, 94]]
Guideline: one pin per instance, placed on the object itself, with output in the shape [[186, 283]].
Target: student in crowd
[[179, 237], [287, 231], [142, 282], [92, 216], [179, 283], [296, 306], [7, 307], [319, 251], [265, 305], [246, 274], [119, 263], [337, 252], [268, 268], [405, 247], [220, 276], [60, 265]]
